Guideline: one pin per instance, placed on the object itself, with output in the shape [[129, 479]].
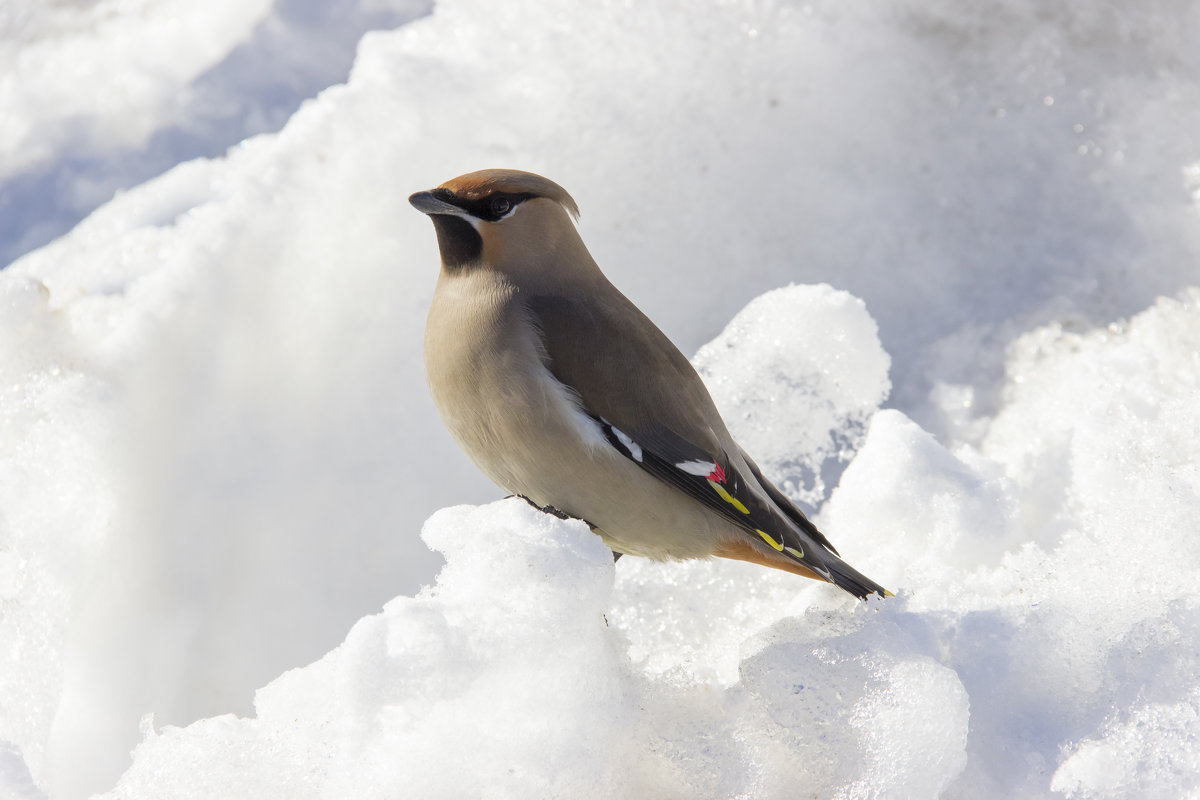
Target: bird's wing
[[716, 481], [790, 510], [654, 409]]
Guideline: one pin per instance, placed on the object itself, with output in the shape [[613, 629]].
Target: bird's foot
[[552, 511]]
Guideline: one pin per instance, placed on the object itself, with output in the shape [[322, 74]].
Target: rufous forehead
[[468, 188]]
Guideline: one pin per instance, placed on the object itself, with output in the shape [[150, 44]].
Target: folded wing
[[654, 409]]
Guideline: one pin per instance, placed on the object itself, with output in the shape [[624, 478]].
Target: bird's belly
[[531, 437], [541, 445]]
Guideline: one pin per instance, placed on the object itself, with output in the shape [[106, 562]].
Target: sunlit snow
[[936, 260]]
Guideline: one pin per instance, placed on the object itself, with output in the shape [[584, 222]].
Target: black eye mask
[[490, 208]]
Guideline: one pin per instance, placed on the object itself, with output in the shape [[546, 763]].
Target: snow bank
[[506, 680], [215, 444], [530, 669], [1058, 559], [512, 676]]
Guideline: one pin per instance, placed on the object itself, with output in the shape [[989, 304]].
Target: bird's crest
[[477, 185]]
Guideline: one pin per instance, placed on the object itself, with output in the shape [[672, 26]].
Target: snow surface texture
[[215, 444], [99, 96]]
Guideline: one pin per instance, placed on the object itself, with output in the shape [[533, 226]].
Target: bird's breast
[[486, 371]]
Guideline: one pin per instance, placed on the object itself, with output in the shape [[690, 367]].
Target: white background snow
[[217, 453]]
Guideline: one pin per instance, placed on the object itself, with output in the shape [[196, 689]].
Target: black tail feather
[[849, 579]]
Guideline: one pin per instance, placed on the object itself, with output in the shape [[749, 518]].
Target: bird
[[564, 393]]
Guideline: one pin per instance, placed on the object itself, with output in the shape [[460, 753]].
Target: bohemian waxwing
[[564, 393]]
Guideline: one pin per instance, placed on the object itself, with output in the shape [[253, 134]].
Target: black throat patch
[[458, 240]]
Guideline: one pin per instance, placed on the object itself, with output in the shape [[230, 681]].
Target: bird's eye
[[501, 206]]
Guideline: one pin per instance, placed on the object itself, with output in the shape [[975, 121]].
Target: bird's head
[[502, 218]]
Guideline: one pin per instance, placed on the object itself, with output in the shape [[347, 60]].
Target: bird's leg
[[552, 511]]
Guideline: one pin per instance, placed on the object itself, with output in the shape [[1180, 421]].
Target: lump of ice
[[797, 374]]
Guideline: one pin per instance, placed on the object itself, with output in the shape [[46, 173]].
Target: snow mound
[[485, 669], [560, 679], [990, 675], [506, 679], [796, 375], [1152, 754]]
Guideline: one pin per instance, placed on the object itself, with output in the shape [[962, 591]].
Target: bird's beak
[[426, 203]]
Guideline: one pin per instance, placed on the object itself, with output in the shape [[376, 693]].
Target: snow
[[100, 96], [509, 668], [798, 397], [1153, 756], [982, 376]]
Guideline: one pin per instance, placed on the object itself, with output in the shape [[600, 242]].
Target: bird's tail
[[849, 579]]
